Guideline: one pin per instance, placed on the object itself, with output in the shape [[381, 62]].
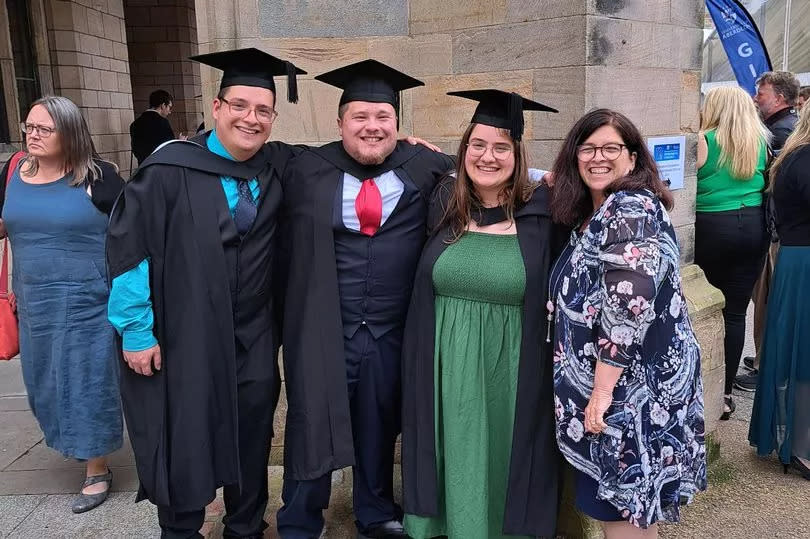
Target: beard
[[369, 156]]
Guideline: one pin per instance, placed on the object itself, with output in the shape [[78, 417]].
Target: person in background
[[55, 211], [479, 455], [780, 420], [628, 393], [152, 128], [731, 239], [804, 96], [776, 96], [777, 91]]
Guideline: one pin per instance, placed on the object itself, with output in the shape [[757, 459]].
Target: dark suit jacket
[[149, 131]]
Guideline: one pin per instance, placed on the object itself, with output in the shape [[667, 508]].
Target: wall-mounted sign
[[669, 154]]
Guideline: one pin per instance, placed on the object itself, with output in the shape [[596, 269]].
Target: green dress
[[479, 283]]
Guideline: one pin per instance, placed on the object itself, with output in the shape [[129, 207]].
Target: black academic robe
[[532, 496], [318, 433], [182, 420], [147, 132]]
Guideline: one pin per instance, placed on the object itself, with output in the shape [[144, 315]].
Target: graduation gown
[[534, 483], [182, 420], [318, 432]]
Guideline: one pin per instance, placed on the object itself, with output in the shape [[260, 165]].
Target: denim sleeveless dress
[[67, 346]]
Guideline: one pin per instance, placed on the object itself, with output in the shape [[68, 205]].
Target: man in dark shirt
[[152, 128], [777, 92], [776, 97]]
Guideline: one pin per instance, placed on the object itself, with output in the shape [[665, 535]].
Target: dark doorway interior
[[25, 66]]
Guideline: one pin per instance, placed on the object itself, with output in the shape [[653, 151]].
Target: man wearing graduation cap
[[354, 225], [190, 250]]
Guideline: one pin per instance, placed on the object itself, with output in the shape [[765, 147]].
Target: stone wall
[[87, 42]]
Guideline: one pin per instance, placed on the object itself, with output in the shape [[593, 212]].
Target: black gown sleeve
[[105, 191], [137, 222]]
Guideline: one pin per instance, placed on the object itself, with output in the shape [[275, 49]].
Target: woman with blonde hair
[[56, 208], [731, 239], [781, 417]]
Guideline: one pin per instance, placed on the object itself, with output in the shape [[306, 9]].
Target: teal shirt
[[130, 305]]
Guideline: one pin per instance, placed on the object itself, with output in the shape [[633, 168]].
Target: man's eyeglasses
[[500, 151], [43, 131], [241, 109], [611, 152]]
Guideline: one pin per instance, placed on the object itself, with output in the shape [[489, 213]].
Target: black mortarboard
[[371, 81], [501, 109], [252, 67]]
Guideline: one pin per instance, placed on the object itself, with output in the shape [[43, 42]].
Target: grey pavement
[[748, 496]]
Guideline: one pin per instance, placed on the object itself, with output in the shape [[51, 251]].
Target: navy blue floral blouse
[[618, 299]]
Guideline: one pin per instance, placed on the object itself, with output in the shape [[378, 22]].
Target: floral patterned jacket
[[617, 289]]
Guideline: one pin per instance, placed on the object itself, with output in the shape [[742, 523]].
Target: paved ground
[[748, 496]]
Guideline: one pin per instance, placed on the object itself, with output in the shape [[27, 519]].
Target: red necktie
[[368, 206]]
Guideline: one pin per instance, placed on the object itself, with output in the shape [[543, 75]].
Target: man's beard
[[374, 157]]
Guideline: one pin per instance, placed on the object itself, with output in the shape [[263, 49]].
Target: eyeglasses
[[241, 109], [499, 151], [611, 152], [43, 131]]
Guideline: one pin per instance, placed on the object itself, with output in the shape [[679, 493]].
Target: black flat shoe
[[727, 401], [387, 530], [85, 502], [799, 466]]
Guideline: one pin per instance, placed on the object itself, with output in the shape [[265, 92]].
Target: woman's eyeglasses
[[500, 151], [611, 152], [43, 131]]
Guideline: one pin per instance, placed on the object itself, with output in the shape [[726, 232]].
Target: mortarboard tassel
[[515, 115], [292, 83]]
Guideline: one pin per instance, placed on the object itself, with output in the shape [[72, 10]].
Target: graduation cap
[[501, 109], [371, 81], [252, 67]]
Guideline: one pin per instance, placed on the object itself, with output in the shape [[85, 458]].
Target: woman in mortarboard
[[479, 456]]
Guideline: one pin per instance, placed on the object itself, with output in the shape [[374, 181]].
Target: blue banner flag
[[742, 41]]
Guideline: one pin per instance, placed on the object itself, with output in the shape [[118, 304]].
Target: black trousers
[[375, 396], [258, 385], [730, 247]]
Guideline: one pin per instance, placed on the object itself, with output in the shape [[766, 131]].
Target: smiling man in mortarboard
[[190, 250], [354, 218]]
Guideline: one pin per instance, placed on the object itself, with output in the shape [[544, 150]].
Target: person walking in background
[[628, 393], [777, 91], [479, 459], [781, 416], [804, 96], [731, 238], [55, 212], [152, 128], [776, 96]]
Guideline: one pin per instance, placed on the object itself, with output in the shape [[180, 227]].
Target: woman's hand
[[596, 409]]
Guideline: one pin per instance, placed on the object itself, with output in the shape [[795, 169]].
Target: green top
[[482, 267], [718, 190]]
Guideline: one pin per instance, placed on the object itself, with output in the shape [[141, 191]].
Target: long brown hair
[[464, 199], [571, 201]]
